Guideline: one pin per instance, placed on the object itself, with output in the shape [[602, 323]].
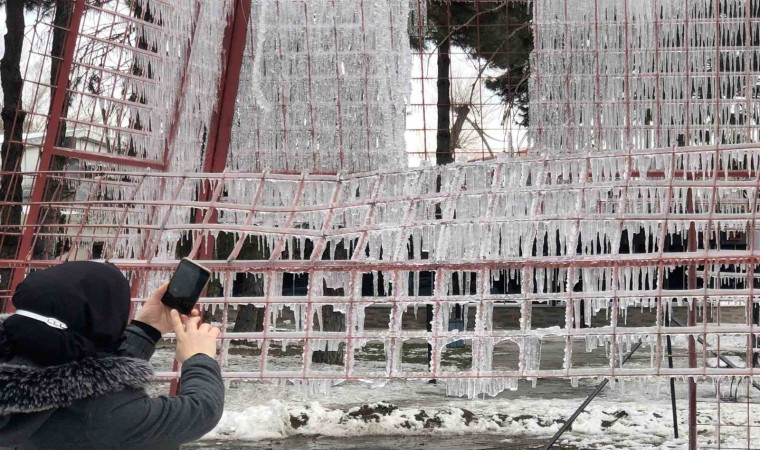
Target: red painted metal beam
[[220, 127], [108, 158], [51, 136], [220, 131]]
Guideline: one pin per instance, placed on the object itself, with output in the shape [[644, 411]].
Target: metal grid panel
[[595, 233], [372, 236], [136, 77], [613, 74]]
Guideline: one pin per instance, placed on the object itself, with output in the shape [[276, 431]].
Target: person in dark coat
[[73, 374]]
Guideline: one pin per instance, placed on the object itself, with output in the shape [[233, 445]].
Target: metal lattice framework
[[195, 129], [619, 74]]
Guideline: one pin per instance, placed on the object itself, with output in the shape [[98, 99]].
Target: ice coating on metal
[[324, 87], [494, 216], [553, 223], [614, 74]]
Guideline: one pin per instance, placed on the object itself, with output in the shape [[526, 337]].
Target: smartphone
[[186, 286]]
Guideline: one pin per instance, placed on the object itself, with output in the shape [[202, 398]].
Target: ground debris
[[617, 416], [298, 421], [372, 412]]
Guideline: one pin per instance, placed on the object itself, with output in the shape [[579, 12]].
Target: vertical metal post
[[692, 321], [220, 127], [51, 136], [672, 380]]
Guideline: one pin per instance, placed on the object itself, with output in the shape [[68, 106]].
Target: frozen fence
[[597, 232], [264, 138]]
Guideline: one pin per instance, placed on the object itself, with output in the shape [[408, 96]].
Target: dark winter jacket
[[101, 403]]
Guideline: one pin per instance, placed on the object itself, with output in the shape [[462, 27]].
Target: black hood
[[29, 393], [91, 298]]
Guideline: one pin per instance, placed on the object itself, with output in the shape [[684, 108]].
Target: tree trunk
[[13, 117], [249, 317], [331, 321], [443, 152], [54, 191], [461, 111], [61, 20], [12, 148]]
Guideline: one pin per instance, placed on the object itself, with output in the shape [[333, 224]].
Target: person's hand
[[155, 313], [193, 337]]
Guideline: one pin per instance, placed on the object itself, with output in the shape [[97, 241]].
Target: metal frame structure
[[365, 240], [54, 121]]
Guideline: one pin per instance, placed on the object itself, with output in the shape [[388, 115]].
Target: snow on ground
[[635, 414], [633, 417], [277, 419]]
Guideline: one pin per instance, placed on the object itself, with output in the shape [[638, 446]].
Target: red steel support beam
[[220, 127], [220, 130], [109, 158], [51, 136]]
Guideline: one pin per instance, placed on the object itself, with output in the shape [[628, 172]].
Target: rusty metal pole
[[220, 127], [51, 136], [691, 321]]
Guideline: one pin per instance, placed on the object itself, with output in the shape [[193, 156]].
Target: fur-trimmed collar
[[28, 389]]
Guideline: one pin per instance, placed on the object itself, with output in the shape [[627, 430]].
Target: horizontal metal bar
[[108, 158], [592, 373], [363, 265], [542, 333]]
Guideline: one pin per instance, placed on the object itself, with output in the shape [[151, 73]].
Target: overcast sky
[[489, 118]]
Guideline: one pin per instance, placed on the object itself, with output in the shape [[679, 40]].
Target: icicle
[[374, 65]]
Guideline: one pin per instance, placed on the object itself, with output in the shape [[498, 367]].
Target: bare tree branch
[[483, 135]]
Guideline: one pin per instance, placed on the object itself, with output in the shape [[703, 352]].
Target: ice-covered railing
[[613, 74], [591, 232], [324, 87]]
